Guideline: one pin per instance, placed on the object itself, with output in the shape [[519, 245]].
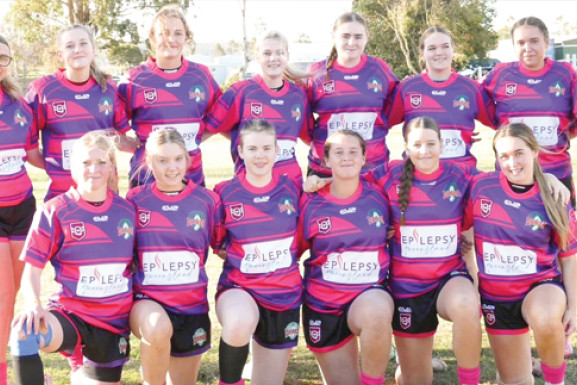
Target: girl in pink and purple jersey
[[260, 288], [178, 221], [87, 234], [454, 101], [73, 101], [346, 301], [168, 91], [350, 90], [18, 144], [274, 95], [525, 243]]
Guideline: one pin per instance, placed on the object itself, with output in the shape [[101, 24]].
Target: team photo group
[[388, 247]]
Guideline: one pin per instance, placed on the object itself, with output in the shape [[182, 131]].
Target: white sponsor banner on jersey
[[170, 267], [429, 241], [67, 152], [11, 161], [545, 128], [360, 122], [188, 131], [286, 149], [453, 144], [266, 257], [508, 260], [352, 267], [101, 281]]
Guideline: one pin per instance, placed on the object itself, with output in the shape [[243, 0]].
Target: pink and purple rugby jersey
[[515, 242], [156, 99], [64, 111], [354, 98], [90, 248], [173, 235], [544, 100], [428, 246], [454, 104], [261, 241], [347, 240], [287, 110], [17, 136]]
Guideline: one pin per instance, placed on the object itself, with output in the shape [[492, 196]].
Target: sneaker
[[568, 348], [438, 364]]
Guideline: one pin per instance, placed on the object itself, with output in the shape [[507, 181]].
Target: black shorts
[[506, 317], [104, 352], [16, 220], [416, 317], [325, 332], [190, 334], [277, 329]]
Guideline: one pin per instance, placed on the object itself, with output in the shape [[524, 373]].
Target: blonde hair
[[100, 76], [408, 171], [165, 13], [158, 138], [103, 140], [9, 84], [290, 72], [256, 126], [556, 212], [348, 17]]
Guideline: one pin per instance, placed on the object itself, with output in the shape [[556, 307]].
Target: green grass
[[302, 368]]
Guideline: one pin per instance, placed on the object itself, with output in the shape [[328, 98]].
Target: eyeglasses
[[5, 60]]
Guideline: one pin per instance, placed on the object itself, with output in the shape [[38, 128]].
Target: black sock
[[28, 370], [231, 361]]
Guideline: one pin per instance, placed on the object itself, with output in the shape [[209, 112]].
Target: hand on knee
[[29, 344]]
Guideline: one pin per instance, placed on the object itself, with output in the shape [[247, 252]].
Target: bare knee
[[156, 330]]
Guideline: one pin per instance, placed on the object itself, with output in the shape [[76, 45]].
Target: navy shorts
[[104, 352], [15, 220], [506, 317], [417, 316]]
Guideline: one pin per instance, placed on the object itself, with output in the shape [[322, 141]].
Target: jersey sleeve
[[571, 248], [43, 238], [225, 113], [32, 98], [120, 118], [396, 108]]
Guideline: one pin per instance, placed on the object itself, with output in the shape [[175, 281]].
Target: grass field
[[302, 368]]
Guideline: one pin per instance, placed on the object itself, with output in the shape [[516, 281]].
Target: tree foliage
[[395, 27], [35, 23]]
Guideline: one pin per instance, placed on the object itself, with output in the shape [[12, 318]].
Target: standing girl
[[539, 92], [350, 90], [260, 288], [452, 100], [169, 91], [345, 225], [273, 96], [75, 100], [177, 222], [87, 235], [428, 273], [19, 143], [525, 243]]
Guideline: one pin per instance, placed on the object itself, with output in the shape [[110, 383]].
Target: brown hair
[[103, 140], [348, 17], [408, 167], [354, 134], [9, 85], [256, 126], [431, 30], [290, 73], [556, 212], [165, 13], [100, 76], [531, 21]]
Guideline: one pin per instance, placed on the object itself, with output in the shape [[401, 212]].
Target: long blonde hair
[[290, 72], [165, 13], [100, 76], [158, 138], [556, 212], [9, 84]]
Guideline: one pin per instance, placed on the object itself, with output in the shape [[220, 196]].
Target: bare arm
[[33, 314], [35, 158]]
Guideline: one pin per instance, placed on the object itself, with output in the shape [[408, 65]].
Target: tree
[[38, 21], [395, 28]]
